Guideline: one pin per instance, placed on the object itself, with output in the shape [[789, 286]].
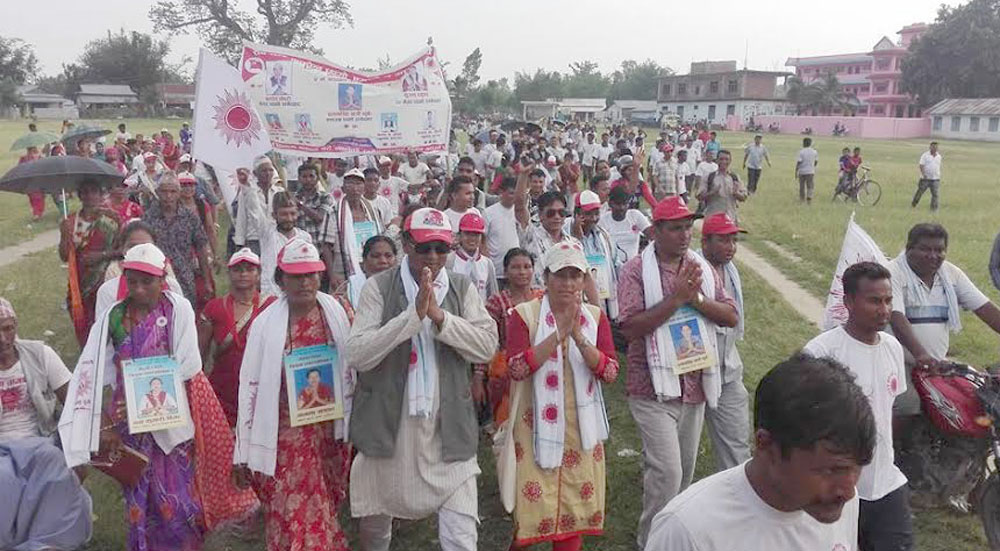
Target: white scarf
[[348, 243], [260, 382], [603, 240], [549, 394], [80, 423], [473, 267], [354, 285], [423, 371], [665, 382], [734, 277], [913, 281]]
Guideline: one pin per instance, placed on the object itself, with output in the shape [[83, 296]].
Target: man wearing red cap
[[729, 422], [668, 285], [467, 259], [419, 328]]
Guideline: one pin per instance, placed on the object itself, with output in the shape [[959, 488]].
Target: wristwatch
[[699, 299]]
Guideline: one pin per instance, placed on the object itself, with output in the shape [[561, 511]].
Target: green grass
[[15, 222]]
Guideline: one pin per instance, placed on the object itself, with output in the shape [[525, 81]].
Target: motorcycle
[[841, 131], [946, 452]]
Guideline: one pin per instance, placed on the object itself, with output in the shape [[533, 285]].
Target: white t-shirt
[[683, 171], [479, 159], [931, 165], [335, 185], [415, 174], [455, 217], [724, 513], [807, 161], [18, 418], [390, 188], [603, 152], [625, 233], [878, 370], [501, 233], [927, 309], [589, 152]]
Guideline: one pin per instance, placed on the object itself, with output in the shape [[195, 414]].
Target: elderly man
[[265, 188], [419, 328], [45, 507], [722, 191], [665, 287], [729, 422]]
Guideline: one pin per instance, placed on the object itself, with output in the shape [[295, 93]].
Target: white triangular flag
[[228, 131], [858, 247]]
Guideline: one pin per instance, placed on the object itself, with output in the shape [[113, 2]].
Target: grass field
[[36, 285]]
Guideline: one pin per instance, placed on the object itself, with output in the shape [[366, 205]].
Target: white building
[[577, 109], [966, 119], [623, 109]]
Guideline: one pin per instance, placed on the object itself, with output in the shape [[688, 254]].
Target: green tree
[[467, 80], [637, 80], [586, 81], [224, 27], [18, 65], [494, 97], [132, 58], [538, 86], [958, 55]]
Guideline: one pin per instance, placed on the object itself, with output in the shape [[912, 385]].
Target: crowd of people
[[456, 297]]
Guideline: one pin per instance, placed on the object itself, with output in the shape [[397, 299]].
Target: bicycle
[[862, 190]]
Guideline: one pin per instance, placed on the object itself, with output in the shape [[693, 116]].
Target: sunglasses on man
[[438, 247], [552, 213]]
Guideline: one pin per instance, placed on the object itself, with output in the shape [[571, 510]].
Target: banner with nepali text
[[314, 108]]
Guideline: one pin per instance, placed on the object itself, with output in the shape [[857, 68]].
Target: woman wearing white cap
[[185, 489], [225, 322], [115, 287], [299, 472], [357, 221], [559, 352]]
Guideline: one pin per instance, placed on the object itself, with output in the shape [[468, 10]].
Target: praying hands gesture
[[687, 286], [426, 303]]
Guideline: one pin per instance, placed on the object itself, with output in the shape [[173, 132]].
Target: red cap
[[720, 224], [667, 148], [427, 224], [671, 208], [587, 200], [300, 257], [472, 223]]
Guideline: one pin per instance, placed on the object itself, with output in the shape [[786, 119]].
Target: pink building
[[874, 77]]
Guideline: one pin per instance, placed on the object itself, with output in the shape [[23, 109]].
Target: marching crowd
[[489, 292]]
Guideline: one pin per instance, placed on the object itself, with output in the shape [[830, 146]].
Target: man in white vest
[[729, 422], [661, 291]]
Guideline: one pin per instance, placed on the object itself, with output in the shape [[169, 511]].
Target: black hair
[[726, 151], [806, 142], [857, 149], [313, 370], [804, 401], [155, 379], [549, 197], [508, 182], [466, 161], [305, 167], [458, 181], [366, 249], [370, 170], [516, 252], [862, 270], [618, 195], [597, 179], [537, 173], [132, 227], [926, 230], [283, 199]]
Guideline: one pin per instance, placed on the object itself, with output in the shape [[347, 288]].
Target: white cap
[[145, 258], [565, 255], [428, 224], [244, 255], [261, 161], [185, 158], [588, 200], [383, 160], [355, 172], [300, 257]]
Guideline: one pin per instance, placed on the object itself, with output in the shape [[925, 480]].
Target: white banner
[[858, 247], [228, 131], [315, 108]]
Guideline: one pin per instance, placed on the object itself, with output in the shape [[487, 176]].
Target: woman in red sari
[[300, 473], [225, 322], [87, 245], [519, 269]]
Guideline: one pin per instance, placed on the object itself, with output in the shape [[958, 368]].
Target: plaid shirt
[[316, 201]]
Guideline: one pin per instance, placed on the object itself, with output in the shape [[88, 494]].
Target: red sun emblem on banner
[[235, 119]]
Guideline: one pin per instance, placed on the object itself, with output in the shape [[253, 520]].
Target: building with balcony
[[874, 76], [713, 91]]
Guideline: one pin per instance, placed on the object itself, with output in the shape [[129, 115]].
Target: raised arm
[[521, 194]]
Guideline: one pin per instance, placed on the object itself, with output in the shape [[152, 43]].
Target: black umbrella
[[84, 131], [54, 174], [510, 126]]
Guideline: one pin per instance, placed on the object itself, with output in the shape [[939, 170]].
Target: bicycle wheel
[[870, 193]]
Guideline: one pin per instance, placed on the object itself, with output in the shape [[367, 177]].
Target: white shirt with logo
[[625, 233], [18, 418], [878, 370], [724, 513], [931, 165]]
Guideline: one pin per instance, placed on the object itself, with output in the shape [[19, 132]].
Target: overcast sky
[[522, 35]]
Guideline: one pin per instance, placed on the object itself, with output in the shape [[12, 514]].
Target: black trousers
[[753, 176], [886, 524]]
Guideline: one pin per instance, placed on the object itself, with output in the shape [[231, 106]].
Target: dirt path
[[42, 241], [798, 298]]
